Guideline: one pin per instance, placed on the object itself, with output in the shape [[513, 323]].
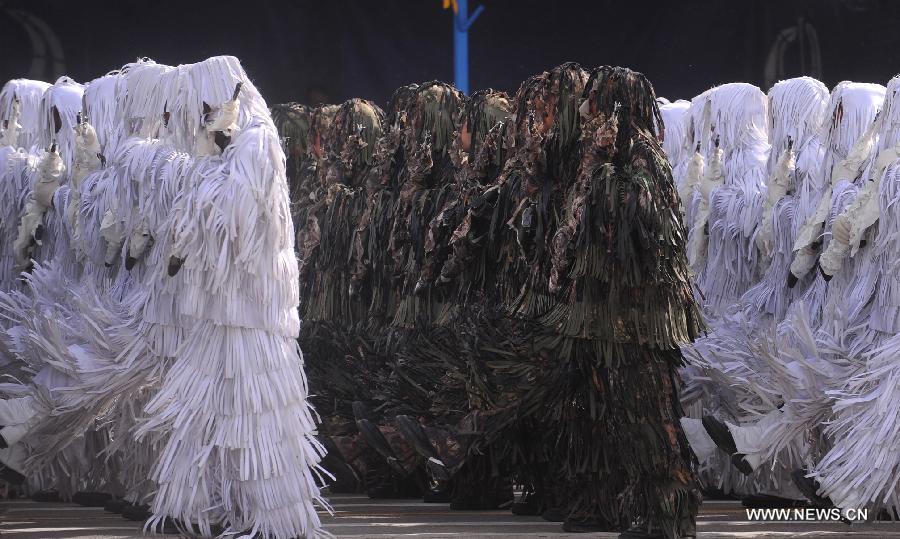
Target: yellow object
[[449, 3]]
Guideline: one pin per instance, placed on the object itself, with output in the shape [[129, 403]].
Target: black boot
[[136, 513], [572, 525], [46, 496], [737, 460], [809, 487], [441, 493], [723, 439], [720, 434], [11, 476], [91, 499], [116, 505], [526, 506], [415, 435]]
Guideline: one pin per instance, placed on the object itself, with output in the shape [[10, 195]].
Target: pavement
[[357, 516]]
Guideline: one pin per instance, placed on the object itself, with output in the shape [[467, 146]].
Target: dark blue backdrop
[[332, 50]]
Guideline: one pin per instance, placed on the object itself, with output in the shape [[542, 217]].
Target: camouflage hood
[[626, 94], [292, 122], [350, 142], [546, 126], [429, 133], [482, 126]]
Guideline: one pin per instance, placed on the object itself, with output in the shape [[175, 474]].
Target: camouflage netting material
[[602, 387], [516, 281], [425, 185], [499, 266], [369, 257], [342, 143], [306, 190], [292, 122]]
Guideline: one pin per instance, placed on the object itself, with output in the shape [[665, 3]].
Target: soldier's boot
[[379, 443], [346, 479], [809, 487], [527, 505], [415, 435]]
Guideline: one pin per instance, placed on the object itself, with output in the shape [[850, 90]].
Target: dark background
[[312, 51]]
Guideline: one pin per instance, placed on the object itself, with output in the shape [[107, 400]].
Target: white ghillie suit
[[103, 342], [20, 127], [25, 133], [725, 362], [849, 142], [699, 143], [790, 370], [93, 144], [797, 108], [241, 449], [861, 316], [738, 114], [95, 338], [674, 131], [815, 346], [59, 107], [43, 224]]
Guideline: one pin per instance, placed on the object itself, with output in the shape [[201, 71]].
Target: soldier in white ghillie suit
[[859, 333], [768, 368], [19, 132], [241, 450], [725, 357], [41, 232], [674, 134]]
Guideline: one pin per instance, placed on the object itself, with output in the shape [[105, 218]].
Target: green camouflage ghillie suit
[[371, 282], [479, 154], [309, 190], [500, 260], [398, 470], [440, 367], [292, 122], [341, 142], [416, 178], [608, 395], [331, 319], [413, 177], [425, 185]]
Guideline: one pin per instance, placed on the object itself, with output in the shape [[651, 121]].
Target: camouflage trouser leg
[[631, 464]]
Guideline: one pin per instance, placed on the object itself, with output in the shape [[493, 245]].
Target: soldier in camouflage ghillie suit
[[369, 258], [292, 122], [425, 185], [309, 186], [418, 172], [393, 467], [439, 376], [606, 394], [500, 265], [340, 144]]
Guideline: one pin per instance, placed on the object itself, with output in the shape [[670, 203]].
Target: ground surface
[[358, 516]]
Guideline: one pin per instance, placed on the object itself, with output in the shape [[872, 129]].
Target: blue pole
[[461, 47], [461, 24]]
